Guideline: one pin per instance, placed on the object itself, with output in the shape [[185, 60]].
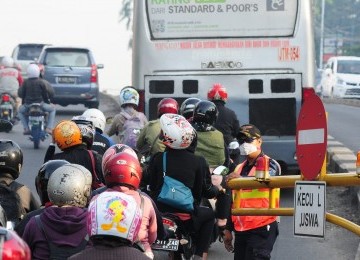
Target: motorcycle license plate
[[170, 244]]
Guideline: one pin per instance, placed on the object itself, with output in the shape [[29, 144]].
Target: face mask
[[247, 148]]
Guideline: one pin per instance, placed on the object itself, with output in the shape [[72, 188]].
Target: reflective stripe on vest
[[248, 198]]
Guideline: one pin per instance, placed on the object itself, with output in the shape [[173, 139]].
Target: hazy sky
[[90, 23]]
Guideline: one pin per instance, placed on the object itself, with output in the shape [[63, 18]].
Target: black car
[[73, 73]]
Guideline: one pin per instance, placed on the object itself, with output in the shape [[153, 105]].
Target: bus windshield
[[184, 19]]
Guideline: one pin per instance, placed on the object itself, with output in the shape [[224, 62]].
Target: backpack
[[131, 128], [13, 188], [59, 252]]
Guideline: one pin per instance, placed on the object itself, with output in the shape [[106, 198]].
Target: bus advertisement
[[261, 51]]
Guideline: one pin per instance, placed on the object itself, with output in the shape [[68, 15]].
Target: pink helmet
[[217, 92], [113, 213]]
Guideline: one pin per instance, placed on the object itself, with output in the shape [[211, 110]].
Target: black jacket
[[79, 154], [227, 122], [184, 166], [36, 90]]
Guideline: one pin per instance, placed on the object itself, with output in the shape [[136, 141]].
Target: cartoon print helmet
[[70, 185], [12, 246], [87, 129], [123, 169], [176, 131], [113, 213], [217, 92], [167, 105], [11, 158], [187, 107], [42, 178], [115, 149], [67, 134], [129, 95], [97, 117]]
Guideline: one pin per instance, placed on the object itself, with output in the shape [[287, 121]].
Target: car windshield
[[67, 59], [348, 66], [29, 52]]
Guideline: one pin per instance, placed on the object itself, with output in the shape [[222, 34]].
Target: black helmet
[[205, 114], [42, 178], [188, 106], [11, 158]]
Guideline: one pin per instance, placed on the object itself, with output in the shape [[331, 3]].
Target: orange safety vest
[[252, 198]]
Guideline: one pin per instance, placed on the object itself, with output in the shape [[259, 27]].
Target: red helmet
[[217, 92], [168, 105], [115, 149], [13, 246], [123, 169]]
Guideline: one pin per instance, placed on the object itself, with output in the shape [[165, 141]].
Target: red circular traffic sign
[[311, 137]]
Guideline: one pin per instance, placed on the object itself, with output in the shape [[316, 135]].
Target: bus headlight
[[340, 81]]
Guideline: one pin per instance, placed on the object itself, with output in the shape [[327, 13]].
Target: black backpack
[[59, 252]]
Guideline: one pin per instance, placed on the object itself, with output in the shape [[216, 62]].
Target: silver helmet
[[70, 185]]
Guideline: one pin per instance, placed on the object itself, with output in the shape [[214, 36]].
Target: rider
[[183, 165], [11, 161], [129, 101], [68, 138], [211, 145], [36, 90], [109, 241], [227, 122], [102, 142], [41, 183], [61, 229], [10, 80], [12, 246], [148, 138], [122, 172]]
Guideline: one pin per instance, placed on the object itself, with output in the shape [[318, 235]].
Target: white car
[[341, 78]]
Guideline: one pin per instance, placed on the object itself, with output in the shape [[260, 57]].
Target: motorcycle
[[37, 124], [179, 243], [6, 108]]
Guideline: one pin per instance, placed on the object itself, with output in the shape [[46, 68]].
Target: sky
[[89, 23]]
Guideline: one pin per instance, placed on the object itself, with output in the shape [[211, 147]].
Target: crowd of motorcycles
[[36, 118]]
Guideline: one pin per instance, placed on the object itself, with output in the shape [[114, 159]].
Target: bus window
[[283, 86], [161, 86], [256, 86], [190, 86]]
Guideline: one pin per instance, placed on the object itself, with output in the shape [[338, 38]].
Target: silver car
[[73, 73]]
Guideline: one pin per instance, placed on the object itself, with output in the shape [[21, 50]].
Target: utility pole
[[322, 34]]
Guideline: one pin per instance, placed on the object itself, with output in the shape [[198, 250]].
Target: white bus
[[262, 51]]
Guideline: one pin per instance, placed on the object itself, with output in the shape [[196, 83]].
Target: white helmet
[[176, 131], [33, 71], [97, 117], [129, 95], [7, 61], [70, 185], [114, 213]]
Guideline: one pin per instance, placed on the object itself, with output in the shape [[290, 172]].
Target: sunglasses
[[246, 140]]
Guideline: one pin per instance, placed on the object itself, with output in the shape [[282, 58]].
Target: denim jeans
[[45, 107]]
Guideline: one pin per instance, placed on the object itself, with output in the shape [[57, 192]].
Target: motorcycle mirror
[[5, 125]]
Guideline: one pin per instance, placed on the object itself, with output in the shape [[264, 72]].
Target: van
[[341, 77], [26, 53]]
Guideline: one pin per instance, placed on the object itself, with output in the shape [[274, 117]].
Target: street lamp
[[322, 34]]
